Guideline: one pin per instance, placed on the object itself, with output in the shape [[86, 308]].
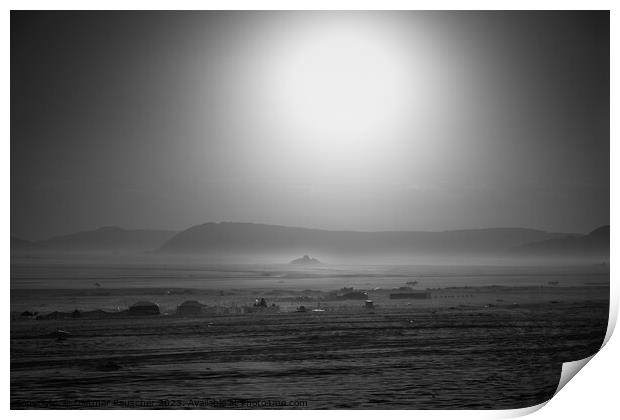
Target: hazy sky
[[337, 120]]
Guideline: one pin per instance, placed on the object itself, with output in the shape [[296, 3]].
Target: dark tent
[[144, 308], [190, 307]]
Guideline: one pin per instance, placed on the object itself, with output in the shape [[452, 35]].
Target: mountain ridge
[[109, 238], [228, 237], [595, 243], [243, 239]]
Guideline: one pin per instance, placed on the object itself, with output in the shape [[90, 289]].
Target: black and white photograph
[[306, 209]]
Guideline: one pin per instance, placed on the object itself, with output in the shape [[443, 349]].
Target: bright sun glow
[[343, 87]]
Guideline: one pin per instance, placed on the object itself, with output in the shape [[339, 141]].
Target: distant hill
[[594, 244], [245, 239], [110, 239], [253, 239], [23, 245], [305, 260]]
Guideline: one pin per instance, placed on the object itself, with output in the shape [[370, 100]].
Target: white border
[[591, 394]]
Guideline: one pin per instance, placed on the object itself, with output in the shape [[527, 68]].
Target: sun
[[343, 87]]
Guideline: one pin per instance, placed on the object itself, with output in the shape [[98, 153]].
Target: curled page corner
[[570, 369], [613, 316], [520, 412]]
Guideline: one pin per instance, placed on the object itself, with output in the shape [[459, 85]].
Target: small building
[[410, 295], [190, 308], [144, 308], [369, 304]]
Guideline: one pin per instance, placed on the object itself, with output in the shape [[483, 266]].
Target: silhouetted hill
[[110, 238], [19, 245], [594, 244], [254, 239], [305, 260]]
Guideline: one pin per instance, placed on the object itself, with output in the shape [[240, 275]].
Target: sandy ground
[[484, 346]]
